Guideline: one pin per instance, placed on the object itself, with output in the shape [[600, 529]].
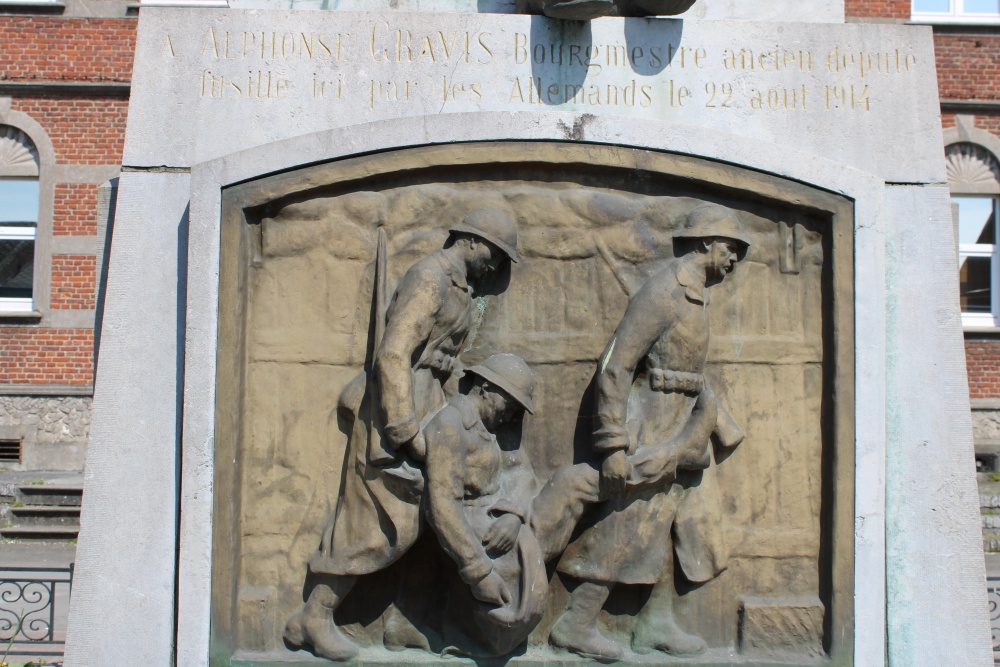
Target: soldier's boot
[[313, 627], [576, 630], [400, 633], [665, 635], [656, 628]]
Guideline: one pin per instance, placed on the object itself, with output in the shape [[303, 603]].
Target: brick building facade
[[64, 82]]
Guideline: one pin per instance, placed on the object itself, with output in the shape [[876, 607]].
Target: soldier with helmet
[[426, 326], [650, 388]]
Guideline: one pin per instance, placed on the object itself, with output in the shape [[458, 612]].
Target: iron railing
[[31, 607]]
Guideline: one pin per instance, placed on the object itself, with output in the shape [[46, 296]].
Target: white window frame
[[992, 251], [956, 14], [18, 233]]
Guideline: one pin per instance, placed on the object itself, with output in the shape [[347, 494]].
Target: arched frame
[[43, 231], [869, 218], [973, 168]]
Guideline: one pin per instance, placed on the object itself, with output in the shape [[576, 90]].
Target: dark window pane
[[975, 284], [18, 200], [17, 260]]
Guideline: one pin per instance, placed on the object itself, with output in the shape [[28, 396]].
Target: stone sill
[[30, 7], [32, 315], [46, 390]]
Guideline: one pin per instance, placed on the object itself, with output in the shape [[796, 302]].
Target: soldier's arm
[[417, 301], [645, 320], [446, 472]]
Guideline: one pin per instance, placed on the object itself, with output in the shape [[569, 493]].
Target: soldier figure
[[426, 326], [649, 388]]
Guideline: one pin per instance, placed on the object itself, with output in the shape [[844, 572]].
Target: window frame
[[983, 250], [22, 232], [956, 14]]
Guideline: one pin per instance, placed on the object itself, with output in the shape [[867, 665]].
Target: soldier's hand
[[502, 535], [418, 447], [491, 590], [695, 457], [614, 472]]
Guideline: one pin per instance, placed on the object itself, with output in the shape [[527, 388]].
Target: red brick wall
[[66, 49], [74, 281], [84, 130], [983, 360], [968, 66], [881, 9], [46, 356], [75, 210]]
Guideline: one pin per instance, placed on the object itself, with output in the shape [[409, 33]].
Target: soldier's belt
[[668, 381]]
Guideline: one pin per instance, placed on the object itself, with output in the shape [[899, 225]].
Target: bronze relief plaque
[[534, 402]]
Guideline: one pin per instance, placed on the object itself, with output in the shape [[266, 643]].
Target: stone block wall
[[53, 430]]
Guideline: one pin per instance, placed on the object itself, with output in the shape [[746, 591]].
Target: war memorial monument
[[543, 333]]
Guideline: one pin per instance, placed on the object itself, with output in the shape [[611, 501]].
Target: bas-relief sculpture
[[532, 448], [648, 498], [584, 10]]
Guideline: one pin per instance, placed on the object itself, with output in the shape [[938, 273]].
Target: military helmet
[[510, 373], [713, 221], [493, 226]]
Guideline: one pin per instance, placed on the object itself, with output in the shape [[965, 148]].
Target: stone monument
[[544, 332]]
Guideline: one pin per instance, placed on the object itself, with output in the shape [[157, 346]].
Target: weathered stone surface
[[778, 627], [786, 11], [813, 91]]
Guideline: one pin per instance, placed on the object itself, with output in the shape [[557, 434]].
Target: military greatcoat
[[378, 516], [662, 336]]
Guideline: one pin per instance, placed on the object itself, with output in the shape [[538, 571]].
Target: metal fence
[[32, 606]]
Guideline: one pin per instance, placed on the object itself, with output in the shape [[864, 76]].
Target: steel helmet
[[490, 225], [713, 221], [510, 373]]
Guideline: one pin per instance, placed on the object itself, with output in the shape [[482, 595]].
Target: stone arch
[[27, 151], [18, 154], [971, 160]]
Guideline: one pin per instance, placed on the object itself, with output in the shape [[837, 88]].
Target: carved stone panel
[[541, 402]]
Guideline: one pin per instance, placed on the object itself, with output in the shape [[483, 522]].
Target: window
[[19, 196], [978, 262], [956, 11]]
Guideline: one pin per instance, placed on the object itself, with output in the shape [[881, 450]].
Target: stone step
[[50, 494], [44, 515], [40, 533]]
